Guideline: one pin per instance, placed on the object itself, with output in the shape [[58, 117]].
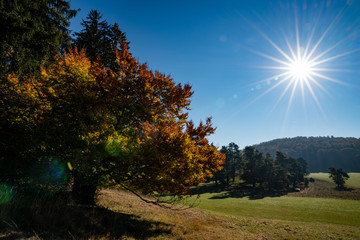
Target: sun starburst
[[300, 69], [300, 65]]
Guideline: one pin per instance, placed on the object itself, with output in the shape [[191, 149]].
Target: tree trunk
[[84, 193]]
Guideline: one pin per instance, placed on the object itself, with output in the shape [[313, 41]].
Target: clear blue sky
[[232, 53]]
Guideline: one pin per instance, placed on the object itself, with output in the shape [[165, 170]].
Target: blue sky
[[233, 54]]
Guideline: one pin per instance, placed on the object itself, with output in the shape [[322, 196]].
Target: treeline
[[320, 152], [259, 170]]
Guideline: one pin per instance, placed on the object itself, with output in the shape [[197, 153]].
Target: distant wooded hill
[[319, 152]]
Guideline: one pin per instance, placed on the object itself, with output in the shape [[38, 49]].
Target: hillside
[[319, 152], [121, 215]]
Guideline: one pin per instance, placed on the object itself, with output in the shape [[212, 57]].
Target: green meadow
[[300, 207], [353, 181], [304, 209]]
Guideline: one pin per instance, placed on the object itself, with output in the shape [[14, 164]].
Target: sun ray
[[297, 36], [289, 46], [318, 84], [276, 68], [335, 57], [270, 89], [273, 43], [328, 70], [295, 83], [271, 78], [302, 92], [323, 35], [269, 57], [282, 95], [310, 39], [314, 97], [329, 78], [332, 47]]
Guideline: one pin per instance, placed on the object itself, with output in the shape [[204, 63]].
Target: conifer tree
[[32, 33], [100, 39]]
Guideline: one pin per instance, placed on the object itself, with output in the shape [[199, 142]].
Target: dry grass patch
[[326, 189]]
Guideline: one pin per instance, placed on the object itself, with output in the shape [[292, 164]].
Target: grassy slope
[[123, 216], [353, 181], [197, 224], [225, 215]]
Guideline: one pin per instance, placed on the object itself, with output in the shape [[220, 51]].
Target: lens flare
[[6, 193], [49, 172], [69, 166]]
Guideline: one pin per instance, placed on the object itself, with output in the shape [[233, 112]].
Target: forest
[[262, 171], [319, 152]]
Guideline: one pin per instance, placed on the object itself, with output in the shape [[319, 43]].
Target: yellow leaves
[[12, 79], [19, 100], [179, 161], [77, 62], [117, 145], [73, 68]]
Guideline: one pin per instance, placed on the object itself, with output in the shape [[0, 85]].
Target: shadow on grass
[[344, 189], [251, 195], [238, 191], [49, 220]]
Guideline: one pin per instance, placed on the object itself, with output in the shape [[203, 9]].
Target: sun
[[300, 69], [300, 66]]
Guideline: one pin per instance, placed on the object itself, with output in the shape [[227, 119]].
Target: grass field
[[338, 211], [309, 214], [353, 181], [121, 215], [320, 202]]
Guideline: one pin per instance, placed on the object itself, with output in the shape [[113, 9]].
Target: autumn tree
[[126, 128], [338, 176], [32, 33]]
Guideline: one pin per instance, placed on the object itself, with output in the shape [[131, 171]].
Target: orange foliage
[[87, 110]]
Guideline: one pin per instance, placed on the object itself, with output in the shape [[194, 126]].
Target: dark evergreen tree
[[281, 159], [100, 39], [232, 163], [338, 176], [269, 166], [253, 162], [296, 172], [32, 33], [260, 169], [281, 179], [282, 174]]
